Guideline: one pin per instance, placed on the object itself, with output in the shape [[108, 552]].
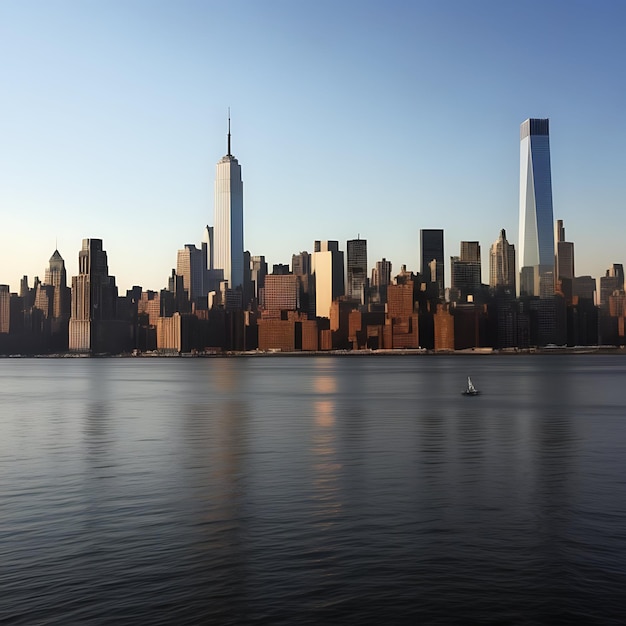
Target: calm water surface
[[313, 490]]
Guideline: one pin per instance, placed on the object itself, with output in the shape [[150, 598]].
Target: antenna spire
[[228, 132]]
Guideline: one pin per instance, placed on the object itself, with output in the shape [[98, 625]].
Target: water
[[313, 490]]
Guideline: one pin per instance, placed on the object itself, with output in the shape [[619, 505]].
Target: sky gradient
[[348, 118]]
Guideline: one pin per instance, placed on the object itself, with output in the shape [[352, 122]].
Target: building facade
[[536, 244]]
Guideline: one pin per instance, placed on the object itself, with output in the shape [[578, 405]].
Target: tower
[[189, 264], [564, 263], [328, 275], [465, 271], [228, 223], [536, 243], [431, 246], [502, 263], [357, 269], [94, 299]]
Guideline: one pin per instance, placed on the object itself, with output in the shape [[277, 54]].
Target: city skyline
[[409, 110]]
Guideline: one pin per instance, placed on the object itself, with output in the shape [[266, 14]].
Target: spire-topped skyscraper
[[228, 223], [536, 223]]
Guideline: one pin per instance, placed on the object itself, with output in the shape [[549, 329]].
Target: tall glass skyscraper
[[228, 224], [357, 269], [431, 268], [536, 230]]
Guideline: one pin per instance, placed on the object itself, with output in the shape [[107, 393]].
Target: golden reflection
[[325, 413], [325, 384], [327, 469], [225, 375]]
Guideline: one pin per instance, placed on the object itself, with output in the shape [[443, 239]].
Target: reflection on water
[[312, 490]]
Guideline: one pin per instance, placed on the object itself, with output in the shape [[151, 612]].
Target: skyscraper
[[191, 265], [357, 269], [536, 243], [564, 263], [94, 299], [465, 271], [328, 275], [431, 246], [228, 223], [502, 263]]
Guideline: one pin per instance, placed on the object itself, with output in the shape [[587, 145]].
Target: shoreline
[[613, 350]]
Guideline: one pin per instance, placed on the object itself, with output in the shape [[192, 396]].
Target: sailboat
[[471, 390]]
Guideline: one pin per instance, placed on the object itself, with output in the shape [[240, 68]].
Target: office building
[[381, 279], [228, 223], [564, 262], [5, 309], [282, 292], [431, 247], [94, 300], [536, 244], [465, 272], [357, 269], [56, 276], [502, 263], [301, 267], [328, 274], [191, 265], [258, 272], [611, 283]]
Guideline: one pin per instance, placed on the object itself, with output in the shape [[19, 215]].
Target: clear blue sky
[[348, 118]]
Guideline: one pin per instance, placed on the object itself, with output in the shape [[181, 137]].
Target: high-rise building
[[564, 262], [228, 224], [258, 272], [502, 263], [381, 273], [190, 263], [301, 266], [56, 276], [357, 269], [5, 309], [465, 271], [282, 292], [327, 266], [431, 246], [536, 244], [612, 282], [94, 299]]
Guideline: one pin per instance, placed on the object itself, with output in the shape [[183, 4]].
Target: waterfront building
[[401, 325], [93, 326], [357, 269], [443, 329], [536, 244], [5, 309], [502, 263], [432, 259], [228, 224], [328, 273]]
